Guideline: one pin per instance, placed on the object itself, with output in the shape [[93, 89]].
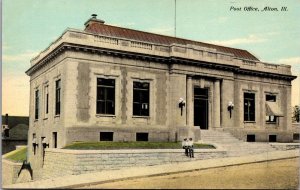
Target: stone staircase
[[232, 145]]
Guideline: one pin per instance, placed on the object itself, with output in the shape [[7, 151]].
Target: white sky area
[[29, 26]]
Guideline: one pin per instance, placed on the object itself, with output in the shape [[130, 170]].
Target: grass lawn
[[16, 155], [108, 145]]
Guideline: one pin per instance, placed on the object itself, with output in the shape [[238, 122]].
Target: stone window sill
[[249, 121], [142, 117], [269, 122], [105, 115]]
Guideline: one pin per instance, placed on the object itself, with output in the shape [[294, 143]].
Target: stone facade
[[173, 71]]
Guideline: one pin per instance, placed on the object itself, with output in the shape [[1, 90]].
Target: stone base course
[[285, 146], [61, 162], [77, 181]]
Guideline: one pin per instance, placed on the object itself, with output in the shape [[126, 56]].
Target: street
[[281, 174]]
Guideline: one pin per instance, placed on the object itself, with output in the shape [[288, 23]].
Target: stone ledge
[[131, 151], [88, 161]]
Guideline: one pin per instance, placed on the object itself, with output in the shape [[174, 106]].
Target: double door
[[201, 107]]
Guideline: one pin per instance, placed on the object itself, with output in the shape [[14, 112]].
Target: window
[[250, 138], [271, 118], [272, 138], [46, 100], [105, 96], [106, 136], [34, 143], [141, 136], [270, 98], [57, 96], [36, 110], [54, 138], [141, 98], [296, 136], [249, 106]]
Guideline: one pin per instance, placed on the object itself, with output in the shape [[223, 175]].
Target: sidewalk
[[130, 173]]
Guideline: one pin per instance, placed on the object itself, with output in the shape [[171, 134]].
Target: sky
[[28, 27]]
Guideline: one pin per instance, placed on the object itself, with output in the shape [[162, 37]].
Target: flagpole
[[175, 20]]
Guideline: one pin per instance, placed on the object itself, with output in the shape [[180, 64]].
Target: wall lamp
[[45, 143], [230, 107], [181, 104]]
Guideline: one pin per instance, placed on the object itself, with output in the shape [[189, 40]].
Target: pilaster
[[216, 108], [189, 101]]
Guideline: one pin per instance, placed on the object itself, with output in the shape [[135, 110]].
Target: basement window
[[250, 138], [141, 136], [272, 138], [106, 136], [296, 136]]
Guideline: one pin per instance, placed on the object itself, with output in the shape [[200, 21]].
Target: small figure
[[184, 146], [190, 145]]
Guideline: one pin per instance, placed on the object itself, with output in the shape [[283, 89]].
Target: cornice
[[155, 58]]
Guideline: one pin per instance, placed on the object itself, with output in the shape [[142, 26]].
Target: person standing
[[185, 146], [190, 147]]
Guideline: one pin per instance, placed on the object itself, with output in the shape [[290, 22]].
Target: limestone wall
[[285, 146], [261, 135], [60, 162], [10, 171]]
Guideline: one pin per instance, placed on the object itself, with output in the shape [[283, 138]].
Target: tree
[[296, 114]]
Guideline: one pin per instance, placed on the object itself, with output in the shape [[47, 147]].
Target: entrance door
[[201, 107]]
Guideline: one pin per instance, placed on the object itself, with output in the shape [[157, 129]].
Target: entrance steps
[[232, 145]]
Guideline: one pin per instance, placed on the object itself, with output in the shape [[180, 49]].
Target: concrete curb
[[73, 181]]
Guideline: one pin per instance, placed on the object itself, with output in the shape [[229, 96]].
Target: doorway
[[201, 107]]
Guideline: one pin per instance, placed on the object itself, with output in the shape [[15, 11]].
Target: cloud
[[272, 33], [250, 39], [165, 31], [294, 62], [19, 57], [15, 94], [290, 61], [221, 19], [127, 24], [5, 47]]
